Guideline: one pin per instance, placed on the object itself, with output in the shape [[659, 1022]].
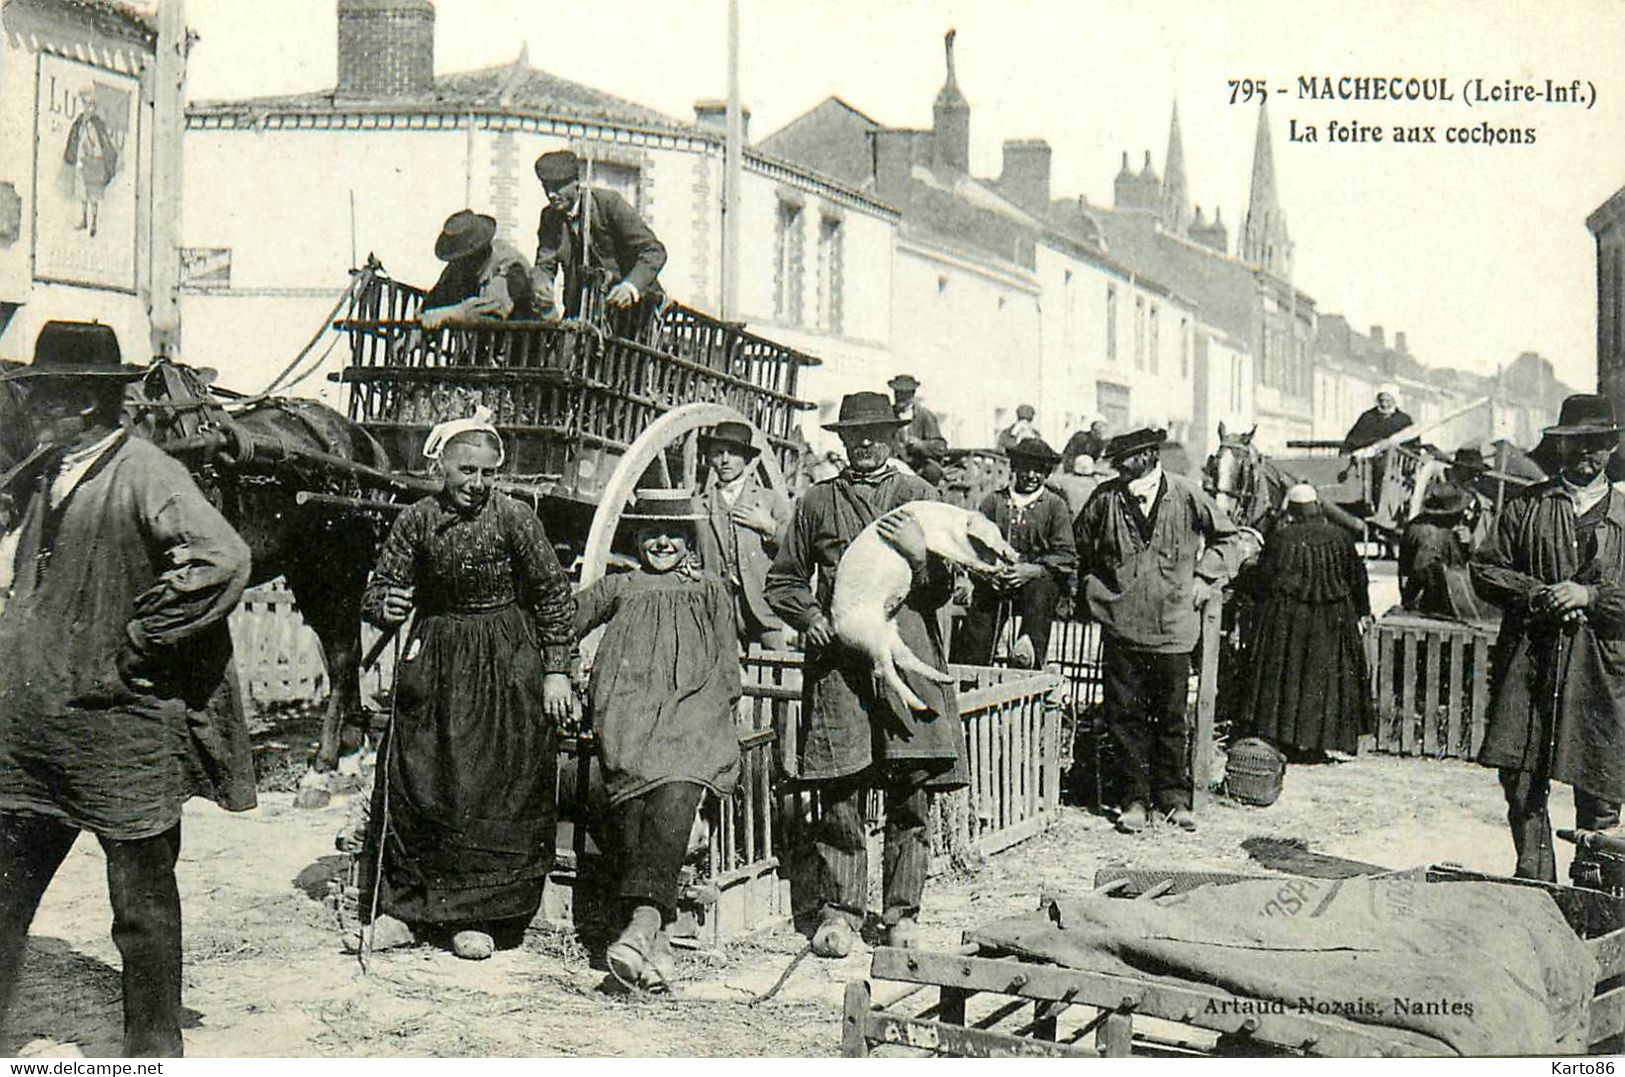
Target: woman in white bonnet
[[464, 803]]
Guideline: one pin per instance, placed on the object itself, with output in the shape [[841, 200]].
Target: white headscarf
[[442, 433]]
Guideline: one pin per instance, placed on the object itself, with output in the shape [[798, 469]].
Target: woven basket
[[1254, 772]]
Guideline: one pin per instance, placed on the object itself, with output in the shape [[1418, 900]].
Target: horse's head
[[1231, 473]]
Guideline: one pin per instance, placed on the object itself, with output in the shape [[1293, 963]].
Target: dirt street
[[265, 976]]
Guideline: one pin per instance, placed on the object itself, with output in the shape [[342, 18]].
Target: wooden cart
[[590, 410], [978, 1001]]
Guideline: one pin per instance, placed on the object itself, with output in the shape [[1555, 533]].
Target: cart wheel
[[679, 427]]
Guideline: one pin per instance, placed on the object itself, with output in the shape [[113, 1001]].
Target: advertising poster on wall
[[85, 175]]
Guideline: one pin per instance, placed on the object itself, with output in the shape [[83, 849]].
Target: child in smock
[[664, 690]]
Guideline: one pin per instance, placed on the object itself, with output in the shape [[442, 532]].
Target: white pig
[[873, 579]]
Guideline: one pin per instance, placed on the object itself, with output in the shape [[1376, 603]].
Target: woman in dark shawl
[[464, 801], [1306, 687]]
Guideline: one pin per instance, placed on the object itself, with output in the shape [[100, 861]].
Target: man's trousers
[[840, 842], [1034, 603], [651, 838], [1527, 796], [146, 919], [1147, 717]]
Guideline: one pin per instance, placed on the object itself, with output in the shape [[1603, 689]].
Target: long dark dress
[[471, 763], [1306, 670], [665, 681]]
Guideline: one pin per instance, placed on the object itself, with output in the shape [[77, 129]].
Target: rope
[[327, 322], [783, 976]]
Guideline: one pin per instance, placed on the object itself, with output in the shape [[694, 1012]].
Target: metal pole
[[732, 168], [169, 118]]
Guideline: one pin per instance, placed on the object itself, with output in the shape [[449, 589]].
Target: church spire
[[1264, 239], [951, 119], [1176, 203]]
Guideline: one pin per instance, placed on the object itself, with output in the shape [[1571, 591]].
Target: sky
[[1476, 253]]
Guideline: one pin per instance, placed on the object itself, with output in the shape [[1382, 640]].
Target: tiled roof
[[516, 85], [130, 21]]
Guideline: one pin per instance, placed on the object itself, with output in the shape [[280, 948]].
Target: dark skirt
[[471, 769], [1307, 686]]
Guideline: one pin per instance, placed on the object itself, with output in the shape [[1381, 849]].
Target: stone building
[[76, 183], [1248, 297], [285, 194], [1607, 224], [1001, 297]]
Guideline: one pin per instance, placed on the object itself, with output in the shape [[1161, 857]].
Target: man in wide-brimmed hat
[[1152, 547], [1038, 522], [116, 701], [485, 277], [1556, 565], [1436, 540], [919, 438], [856, 735], [622, 246], [740, 534]]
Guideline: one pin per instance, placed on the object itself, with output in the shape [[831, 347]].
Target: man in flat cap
[[1556, 567], [740, 533], [117, 701], [621, 244], [1038, 523], [919, 437], [485, 278], [1152, 547]]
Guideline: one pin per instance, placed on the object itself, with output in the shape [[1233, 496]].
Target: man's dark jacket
[[621, 243]]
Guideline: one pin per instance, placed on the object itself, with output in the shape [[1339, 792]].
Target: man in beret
[[1152, 547], [622, 245], [1037, 522], [117, 701]]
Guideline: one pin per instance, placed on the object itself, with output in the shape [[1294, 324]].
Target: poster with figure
[[85, 153]]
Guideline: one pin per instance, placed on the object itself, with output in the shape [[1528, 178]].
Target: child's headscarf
[[441, 434]]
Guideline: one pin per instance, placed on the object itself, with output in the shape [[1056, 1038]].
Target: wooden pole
[[169, 120], [732, 169]]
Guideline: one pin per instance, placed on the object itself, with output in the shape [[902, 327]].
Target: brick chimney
[[386, 49], [714, 115], [1025, 178], [1399, 342], [1377, 337], [894, 164]]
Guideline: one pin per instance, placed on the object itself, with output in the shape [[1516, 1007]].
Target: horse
[[323, 557], [1251, 488]]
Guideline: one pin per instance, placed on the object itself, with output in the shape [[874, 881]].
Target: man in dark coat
[[484, 278], [1304, 664], [1376, 423], [117, 702], [740, 532], [919, 437], [1556, 567], [855, 734], [1038, 523], [1152, 547], [1432, 543], [622, 245]]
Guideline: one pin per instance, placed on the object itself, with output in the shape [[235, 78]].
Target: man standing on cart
[[618, 242], [854, 735], [1556, 567]]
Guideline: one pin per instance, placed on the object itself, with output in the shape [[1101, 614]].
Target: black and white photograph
[[739, 528]]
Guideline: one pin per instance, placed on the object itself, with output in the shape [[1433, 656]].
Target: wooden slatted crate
[[1431, 680]]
